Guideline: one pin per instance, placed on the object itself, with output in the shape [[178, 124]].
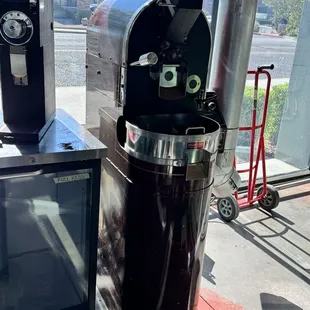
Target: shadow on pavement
[[262, 242], [208, 265], [272, 302]]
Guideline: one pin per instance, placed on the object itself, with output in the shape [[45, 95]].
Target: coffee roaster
[[148, 65]]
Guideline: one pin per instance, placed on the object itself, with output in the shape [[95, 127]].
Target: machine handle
[[261, 68], [195, 128], [149, 59], [21, 175], [161, 3]]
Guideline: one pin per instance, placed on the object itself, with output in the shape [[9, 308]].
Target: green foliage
[[277, 100], [290, 10], [59, 12], [296, 7], [246, 113], [65, 12], [256, 26], [292, 32], [71, 12]]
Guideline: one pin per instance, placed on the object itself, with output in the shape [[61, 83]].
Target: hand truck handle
[[261, 68]]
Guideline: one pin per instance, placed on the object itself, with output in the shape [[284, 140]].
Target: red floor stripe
[[210, 300]]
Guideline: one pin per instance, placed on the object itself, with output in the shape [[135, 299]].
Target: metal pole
[[231, 53], [214, 17]]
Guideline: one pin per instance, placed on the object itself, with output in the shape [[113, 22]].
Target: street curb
[[70, 30], [268, 35]]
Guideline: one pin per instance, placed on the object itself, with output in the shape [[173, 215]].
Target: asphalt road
[[273, 50], [70, 57]]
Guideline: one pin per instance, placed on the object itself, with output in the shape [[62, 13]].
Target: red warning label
[[195, 145]]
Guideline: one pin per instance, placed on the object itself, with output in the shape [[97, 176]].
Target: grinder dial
[[16, 28]]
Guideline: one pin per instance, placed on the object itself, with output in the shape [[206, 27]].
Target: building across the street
[[208, 6], [80, 4], [85, 4], [70, 12], [264, 13]]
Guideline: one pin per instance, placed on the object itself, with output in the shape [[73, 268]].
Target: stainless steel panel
[[102, 88], [18, 64], [110, 25], [95, 99], [111, 113], [225, 160], [47, 41], [65, 141], [103, 76], [231, 138]]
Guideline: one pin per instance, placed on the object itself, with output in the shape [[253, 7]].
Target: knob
[[14, 29]]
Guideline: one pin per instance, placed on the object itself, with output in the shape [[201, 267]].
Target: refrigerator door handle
[[21, 175]]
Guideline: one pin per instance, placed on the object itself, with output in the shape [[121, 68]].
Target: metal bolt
[[212, 106], [174, 55], [165, 45], [32, 160], [178, 163]]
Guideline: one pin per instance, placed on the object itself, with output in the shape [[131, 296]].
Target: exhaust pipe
[[231, 53]]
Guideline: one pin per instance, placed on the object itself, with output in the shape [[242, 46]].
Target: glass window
[[71, 19], [261, 260], [44, 241], [276, 41]]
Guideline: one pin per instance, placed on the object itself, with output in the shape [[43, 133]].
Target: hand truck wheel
[[228, 208], [271, 200]]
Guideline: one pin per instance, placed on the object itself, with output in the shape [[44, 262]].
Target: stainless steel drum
[[173, 140]]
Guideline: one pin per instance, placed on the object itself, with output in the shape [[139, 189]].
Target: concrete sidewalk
[[69, 30], [261, 261], [274, 167], [73, 101], [58, 27]]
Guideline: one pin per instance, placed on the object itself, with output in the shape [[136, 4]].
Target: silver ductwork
[[231, 53]]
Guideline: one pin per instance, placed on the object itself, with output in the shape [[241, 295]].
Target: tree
[[289, 10]]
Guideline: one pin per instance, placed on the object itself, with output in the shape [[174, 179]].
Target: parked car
[[93, 7], [84, 21]]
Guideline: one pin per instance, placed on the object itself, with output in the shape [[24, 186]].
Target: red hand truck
[[266, 196]]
